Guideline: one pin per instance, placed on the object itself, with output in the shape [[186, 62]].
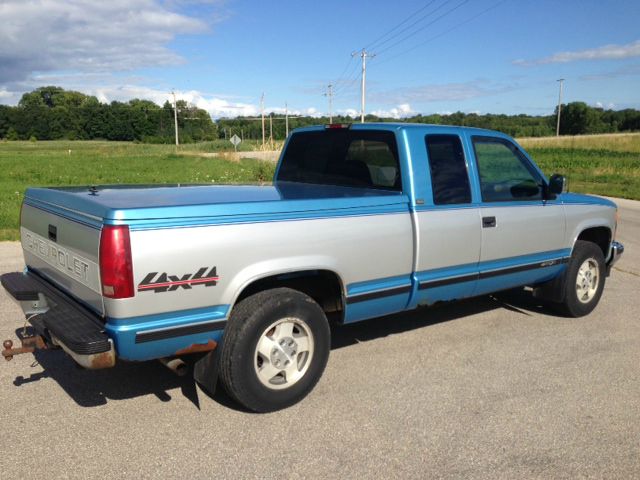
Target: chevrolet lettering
[[361, 221]]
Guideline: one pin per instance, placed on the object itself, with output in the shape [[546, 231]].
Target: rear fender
[[278, 266]]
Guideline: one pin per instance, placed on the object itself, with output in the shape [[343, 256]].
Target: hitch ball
[[7, 345]]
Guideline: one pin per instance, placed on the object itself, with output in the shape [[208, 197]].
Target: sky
[[430, 56]]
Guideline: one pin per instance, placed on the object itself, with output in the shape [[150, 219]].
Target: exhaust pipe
[[176, 365]]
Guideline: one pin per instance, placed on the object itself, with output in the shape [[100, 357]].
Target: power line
[[434, 37], [348, 81], [423, 27], [340, 92], [412, 25], [343, 71], [372, 44]]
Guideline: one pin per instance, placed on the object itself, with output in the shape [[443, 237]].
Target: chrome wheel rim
[[283, 353], [587, 280]]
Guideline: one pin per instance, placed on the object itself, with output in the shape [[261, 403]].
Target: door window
[[505, 173]]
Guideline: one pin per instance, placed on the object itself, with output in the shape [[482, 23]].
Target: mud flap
[[205, 372], [553, 290]]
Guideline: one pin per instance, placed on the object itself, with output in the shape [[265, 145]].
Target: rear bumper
[[617, 249], [61, 320]]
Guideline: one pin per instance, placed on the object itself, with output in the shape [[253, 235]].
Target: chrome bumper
[[617, 249]]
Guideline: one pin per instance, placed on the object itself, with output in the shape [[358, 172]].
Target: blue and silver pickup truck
[[361, 221]]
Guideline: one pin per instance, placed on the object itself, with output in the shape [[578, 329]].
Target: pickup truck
[[361, 221]]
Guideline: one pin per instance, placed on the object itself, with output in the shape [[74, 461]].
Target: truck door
[[447, 224], [522, 233]]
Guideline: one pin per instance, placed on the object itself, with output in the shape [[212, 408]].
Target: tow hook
[[29, 345]]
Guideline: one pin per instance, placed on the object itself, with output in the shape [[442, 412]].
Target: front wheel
[[584, 279], [274, 350]]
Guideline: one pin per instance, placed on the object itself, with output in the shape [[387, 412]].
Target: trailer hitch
[[29, 345]]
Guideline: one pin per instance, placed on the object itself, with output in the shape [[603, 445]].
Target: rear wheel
[[274, 350], [584, 279]]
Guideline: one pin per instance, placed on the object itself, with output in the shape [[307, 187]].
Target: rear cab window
[[343, 157], [449, 176]]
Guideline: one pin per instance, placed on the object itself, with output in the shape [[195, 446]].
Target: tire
[[584, 280], [275, 348]]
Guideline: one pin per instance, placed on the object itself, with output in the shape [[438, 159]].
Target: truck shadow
[[517, 301], [92, 388]]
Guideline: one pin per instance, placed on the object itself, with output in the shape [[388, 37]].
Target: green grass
[[24, 164], [600, 164]]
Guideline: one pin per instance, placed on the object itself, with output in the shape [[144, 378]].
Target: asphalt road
[[494, 387]]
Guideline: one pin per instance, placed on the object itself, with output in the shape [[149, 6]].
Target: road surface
[[494, 387]]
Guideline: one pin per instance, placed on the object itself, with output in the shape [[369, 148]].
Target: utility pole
[[329, 95], [363, 55], [286, 120], [262, 114], [561, 80], [175, 116], [271, 130]]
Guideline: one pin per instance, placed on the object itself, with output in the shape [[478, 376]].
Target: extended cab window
[[449, 179], [505, 173], [342, 157]]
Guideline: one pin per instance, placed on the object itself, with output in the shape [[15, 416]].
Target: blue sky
[[486, 56]]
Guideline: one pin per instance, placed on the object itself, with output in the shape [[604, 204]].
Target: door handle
[[488, 222]]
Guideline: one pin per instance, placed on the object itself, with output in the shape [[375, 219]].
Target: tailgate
[[65, 252]]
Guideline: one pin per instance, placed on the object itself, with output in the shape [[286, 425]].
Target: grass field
[[24, 164], [600, 164]]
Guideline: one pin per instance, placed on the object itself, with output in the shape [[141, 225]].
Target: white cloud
[[608, 106], [214, 104], [606, 52], [401, 111], [5, 94], [349, 112], [88, 36]]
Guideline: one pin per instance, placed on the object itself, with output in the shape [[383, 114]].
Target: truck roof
[[395, 126]]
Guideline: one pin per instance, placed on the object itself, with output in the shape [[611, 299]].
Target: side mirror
[[557, 184]]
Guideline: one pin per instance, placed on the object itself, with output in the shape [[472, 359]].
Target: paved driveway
[[494, 387]]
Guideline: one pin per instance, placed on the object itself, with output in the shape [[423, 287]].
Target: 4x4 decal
[[170, 283]]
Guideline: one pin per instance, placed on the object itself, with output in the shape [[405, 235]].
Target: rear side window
[[505, 173], [343, 157], [449, 178]]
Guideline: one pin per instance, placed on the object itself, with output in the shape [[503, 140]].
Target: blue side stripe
[[463, 278], [378, 284], [123, 332], [523, 260], [150, 224]]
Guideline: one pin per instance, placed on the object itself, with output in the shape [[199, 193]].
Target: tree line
[[576, 118], [52, 113]]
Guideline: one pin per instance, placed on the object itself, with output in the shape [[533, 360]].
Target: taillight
[[116, 270]]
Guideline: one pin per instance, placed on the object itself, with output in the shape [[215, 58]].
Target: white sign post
[[236, 141]]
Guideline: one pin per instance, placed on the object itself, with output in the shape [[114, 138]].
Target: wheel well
[[324, 286], [601, 236]]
